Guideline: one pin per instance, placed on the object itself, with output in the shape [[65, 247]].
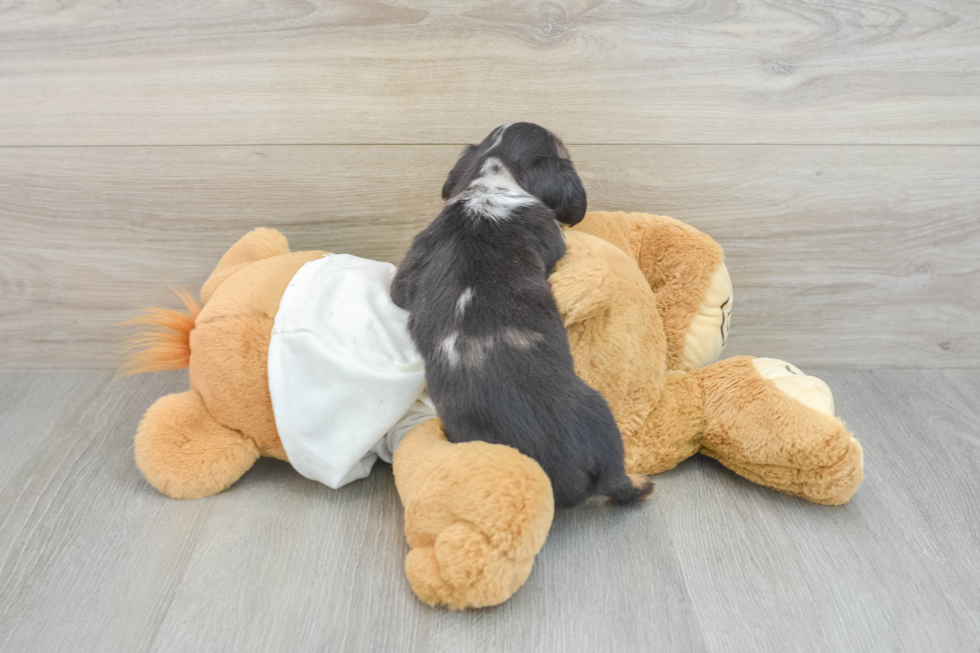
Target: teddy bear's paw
[[768, 421], [708, 332], [185, 453], [465, 570], [476, 514], [808, 390], [835, 483]]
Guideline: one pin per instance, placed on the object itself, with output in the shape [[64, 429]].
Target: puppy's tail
[[626, 488], [164, 344]]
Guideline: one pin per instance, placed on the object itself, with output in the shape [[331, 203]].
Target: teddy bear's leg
[[774, 425], [254, 246], [184, 453], [671, 432], [476, 514], [686, 270]]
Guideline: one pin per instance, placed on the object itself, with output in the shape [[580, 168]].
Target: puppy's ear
[[583, 288], [554, 182], [460, 169]]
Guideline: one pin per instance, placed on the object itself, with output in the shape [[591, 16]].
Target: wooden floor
[[93, 559]]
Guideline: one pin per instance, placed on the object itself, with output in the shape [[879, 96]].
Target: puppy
[[497, 359]]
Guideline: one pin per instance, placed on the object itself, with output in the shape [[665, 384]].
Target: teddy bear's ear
[[583, 288]]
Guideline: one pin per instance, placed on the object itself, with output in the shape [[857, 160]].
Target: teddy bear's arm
[[762, 418], [686, 270], [769, 422], [254, 246]]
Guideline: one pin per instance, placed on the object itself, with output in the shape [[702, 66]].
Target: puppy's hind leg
[[625, 488], [571, 486]]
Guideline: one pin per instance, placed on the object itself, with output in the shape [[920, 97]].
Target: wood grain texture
[[911, 527], [853, 256], [32, 405], [850, 256], [92, 559], [446, 71]]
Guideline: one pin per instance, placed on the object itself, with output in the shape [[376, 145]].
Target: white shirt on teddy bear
[[347, 384]]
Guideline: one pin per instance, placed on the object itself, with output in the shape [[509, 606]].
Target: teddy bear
[[646, 301]]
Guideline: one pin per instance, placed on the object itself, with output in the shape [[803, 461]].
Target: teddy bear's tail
[[165, 342]]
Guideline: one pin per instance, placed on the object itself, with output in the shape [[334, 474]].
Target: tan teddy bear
[[645, 300]]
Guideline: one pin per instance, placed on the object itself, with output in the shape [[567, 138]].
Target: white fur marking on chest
[[464, 299]]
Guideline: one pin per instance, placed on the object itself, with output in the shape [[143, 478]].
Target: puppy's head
[[538, 161]]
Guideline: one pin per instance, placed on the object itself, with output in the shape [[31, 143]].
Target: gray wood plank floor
[[92, 559]]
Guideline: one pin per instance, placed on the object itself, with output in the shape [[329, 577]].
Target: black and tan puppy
[[498, 364]]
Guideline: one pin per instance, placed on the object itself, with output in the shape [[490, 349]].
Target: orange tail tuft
[[166, 344]]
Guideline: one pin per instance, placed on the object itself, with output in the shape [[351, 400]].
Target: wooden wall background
[[832, 148]]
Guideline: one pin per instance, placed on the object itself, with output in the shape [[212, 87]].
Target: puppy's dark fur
[[497, 357]]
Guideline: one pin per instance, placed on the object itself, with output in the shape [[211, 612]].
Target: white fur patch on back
[[464, 299], [521, 338], [448, 348], [476, 350], [494, 176], [471, 351], [495, 193], [499, 137], [495, 207]]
